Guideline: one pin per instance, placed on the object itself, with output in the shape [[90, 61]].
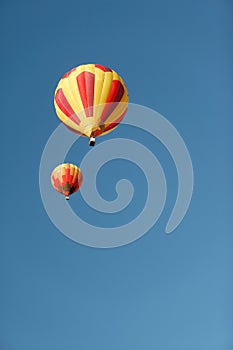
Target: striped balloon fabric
[[66, 179], [91, 100]]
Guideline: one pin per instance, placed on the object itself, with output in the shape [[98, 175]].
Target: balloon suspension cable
[[92, 141], [67, 198]]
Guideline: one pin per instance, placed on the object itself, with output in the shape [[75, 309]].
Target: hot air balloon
[[91, 100], [66, 179]]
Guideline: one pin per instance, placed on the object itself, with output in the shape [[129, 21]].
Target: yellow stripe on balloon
[[99, 80], [76, 171], [89, 68], [106, 87], [69, 92], [72, 170], [72, 80], [65, 119]]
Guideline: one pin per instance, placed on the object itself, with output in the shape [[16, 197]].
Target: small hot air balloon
[[66, 179], [91, 100]]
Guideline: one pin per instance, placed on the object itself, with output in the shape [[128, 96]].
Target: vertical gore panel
[[65, 107], [115, 95]]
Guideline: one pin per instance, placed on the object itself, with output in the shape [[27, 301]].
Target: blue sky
[[161, 292]]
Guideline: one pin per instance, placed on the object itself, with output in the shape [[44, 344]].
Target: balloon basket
[[92, 141]]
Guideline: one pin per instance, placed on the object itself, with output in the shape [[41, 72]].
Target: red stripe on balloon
[[86, 84], [96, 133], [68, 173], [116, 92], [56, 182], [115, 123], [65, 107], [115, 95], [63, 179], [90, 85], [82, 88], [103, 68], [68, 73]]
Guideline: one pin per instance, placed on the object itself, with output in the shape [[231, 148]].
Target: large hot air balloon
[[66, 179], [91, 100]]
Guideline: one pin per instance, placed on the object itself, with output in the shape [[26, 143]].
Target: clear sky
[[163, 291]]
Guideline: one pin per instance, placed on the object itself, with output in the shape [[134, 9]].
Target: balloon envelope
[[91, 100], [66, 179]]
